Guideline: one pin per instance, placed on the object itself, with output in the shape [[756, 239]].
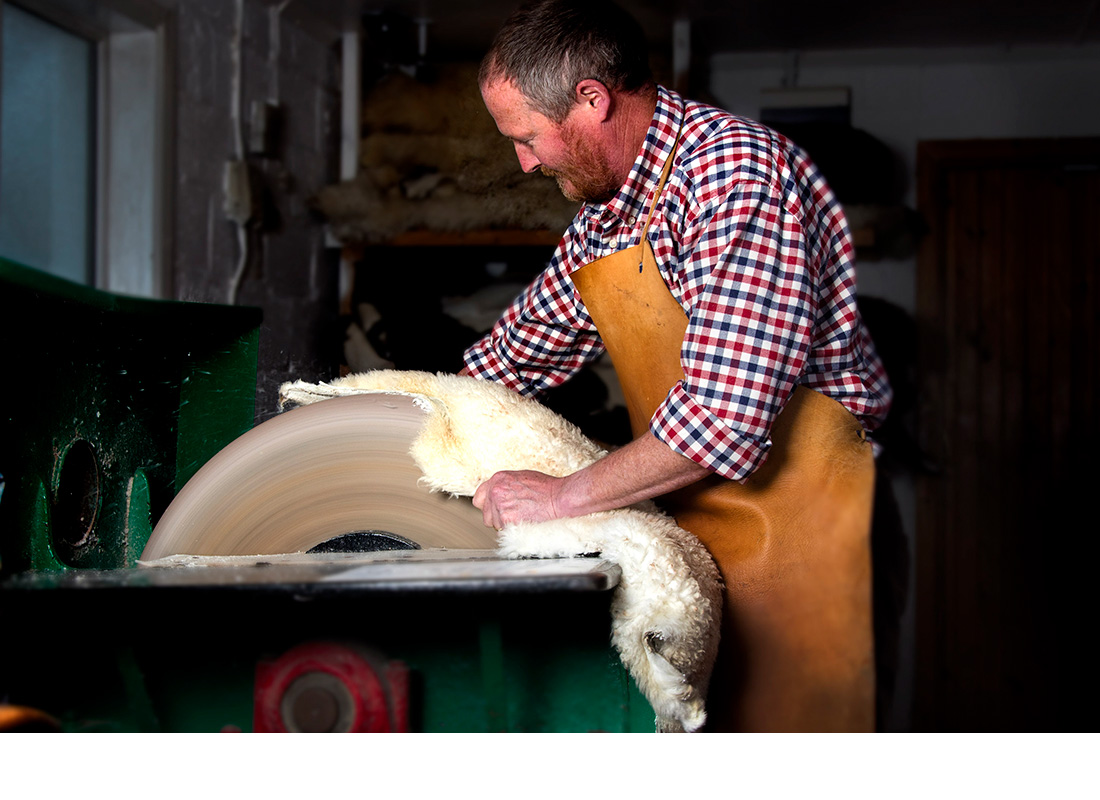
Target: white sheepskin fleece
[[666, 609]]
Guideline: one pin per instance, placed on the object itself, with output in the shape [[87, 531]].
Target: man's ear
[[595, 98]]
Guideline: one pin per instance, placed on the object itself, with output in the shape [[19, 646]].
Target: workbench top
[[429, 570]]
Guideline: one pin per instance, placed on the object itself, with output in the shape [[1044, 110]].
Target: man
[[714, 265]]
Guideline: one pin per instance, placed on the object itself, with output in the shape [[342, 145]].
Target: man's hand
[[524, 496]]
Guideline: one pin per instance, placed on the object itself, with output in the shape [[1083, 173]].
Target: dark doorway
[[1008, 305]]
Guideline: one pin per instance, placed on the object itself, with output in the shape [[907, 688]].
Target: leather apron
[[792, 542]]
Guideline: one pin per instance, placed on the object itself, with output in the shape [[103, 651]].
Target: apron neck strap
[[663, 179]]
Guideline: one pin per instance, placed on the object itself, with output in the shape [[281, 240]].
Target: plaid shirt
[[754, 247]]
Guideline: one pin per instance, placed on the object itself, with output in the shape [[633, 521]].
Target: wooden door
[[1008, 301]]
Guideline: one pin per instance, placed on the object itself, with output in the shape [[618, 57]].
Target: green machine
[[112, 404]]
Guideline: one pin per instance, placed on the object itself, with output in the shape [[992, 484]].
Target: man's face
[[565, 151]]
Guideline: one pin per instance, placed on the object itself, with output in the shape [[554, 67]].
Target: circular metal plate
[[311, 474]]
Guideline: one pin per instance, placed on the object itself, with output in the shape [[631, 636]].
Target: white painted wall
[[906, 96]]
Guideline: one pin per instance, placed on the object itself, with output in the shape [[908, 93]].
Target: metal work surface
[[308, 574]]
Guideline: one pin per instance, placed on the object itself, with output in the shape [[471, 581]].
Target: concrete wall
[[228, 54]]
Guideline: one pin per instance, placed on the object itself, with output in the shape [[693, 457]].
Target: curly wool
[[666, 610]]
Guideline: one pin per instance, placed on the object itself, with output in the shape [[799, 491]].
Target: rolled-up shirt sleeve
[[541, 339], [751, 305]]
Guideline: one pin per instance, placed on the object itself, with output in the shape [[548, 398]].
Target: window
[[82, 141], [47, 147]]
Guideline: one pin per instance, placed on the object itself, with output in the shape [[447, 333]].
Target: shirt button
[[631, 220]]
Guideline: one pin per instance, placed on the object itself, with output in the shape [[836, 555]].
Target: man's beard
[[590, 175]]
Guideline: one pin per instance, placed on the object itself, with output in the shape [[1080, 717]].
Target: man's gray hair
[[547, 47]]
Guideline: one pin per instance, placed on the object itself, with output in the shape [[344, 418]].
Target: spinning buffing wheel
[[314, 474]]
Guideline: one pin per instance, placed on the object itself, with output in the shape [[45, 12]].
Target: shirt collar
[[632, 200]]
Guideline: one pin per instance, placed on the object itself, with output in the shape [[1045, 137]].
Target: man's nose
[[527, 160]]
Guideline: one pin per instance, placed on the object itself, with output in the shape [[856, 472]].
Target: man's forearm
[[643, 469]]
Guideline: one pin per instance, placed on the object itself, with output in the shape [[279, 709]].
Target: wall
[[903, 97], [227, 55]]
